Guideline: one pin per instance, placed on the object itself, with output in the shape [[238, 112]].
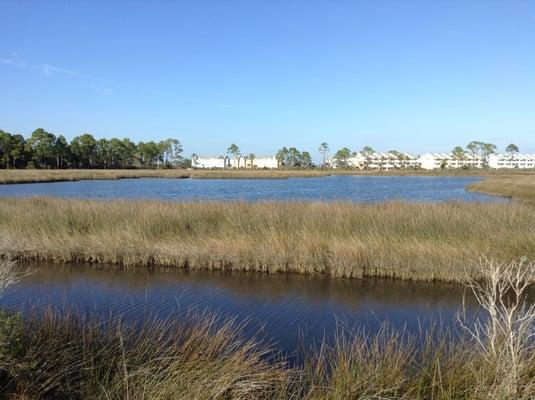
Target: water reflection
[[277, 308]]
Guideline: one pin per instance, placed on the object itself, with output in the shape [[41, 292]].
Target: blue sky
[[409, 75]]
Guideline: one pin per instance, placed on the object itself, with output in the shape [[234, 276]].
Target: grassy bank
[[8, 176], [521, 187], [63, 357], [408, 241]]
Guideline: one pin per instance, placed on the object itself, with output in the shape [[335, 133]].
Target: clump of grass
[[518, 186], [401, 240], [63, 356], [396, 365]]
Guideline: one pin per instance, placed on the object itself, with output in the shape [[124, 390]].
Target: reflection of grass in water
[[409, 241], [350, 293], [62, 356]]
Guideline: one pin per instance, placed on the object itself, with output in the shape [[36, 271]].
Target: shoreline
[[13, 176], [520, 188]]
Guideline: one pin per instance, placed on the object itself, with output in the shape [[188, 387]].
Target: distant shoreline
[[14, 176]]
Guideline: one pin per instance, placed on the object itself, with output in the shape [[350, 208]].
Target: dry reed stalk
[[407, 241]]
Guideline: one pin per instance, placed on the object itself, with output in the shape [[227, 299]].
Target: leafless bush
[[8, 276], [506, 334]]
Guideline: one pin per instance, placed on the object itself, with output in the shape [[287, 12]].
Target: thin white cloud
[[50, 70], [15, 61], [99, 86], [46, 69]]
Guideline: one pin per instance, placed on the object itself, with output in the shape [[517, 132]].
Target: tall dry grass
[[9, 176], [65, 357], [521, 187], [56, 356], [408, 241]]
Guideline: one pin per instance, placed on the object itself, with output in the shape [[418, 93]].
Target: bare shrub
[[8, 276], [505, 336]]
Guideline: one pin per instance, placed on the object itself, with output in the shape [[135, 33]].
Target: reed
[[10, 176], [197, 357], [401, 240], [520, 187], [66, 357]]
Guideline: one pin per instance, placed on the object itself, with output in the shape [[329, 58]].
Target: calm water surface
[[289, 311], [286, 310], [348, 188]]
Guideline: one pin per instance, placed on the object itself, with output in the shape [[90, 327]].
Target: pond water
[[333, 188], [289, 311]]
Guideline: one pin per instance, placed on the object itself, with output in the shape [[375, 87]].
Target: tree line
[[46, 150], [481, 149]]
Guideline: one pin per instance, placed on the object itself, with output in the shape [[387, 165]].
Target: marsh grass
[[10, 176], [521, 187], [67, 357], [199, 356], [64, 357], [401, 240]]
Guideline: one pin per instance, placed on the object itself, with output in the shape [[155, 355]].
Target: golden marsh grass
[[64, 357], [521, 187], [401, 240], [9, 176]]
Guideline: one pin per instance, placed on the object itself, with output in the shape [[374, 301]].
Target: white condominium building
[[209, 162], [379, 161], [496, 161], [521, 161], [222, 162], [431, 161]]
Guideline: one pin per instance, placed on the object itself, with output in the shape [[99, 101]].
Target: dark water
[[349, 188], [289, 311]]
